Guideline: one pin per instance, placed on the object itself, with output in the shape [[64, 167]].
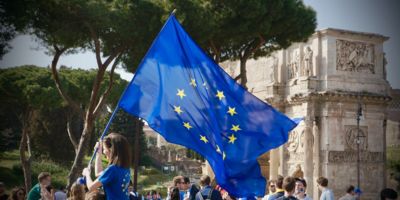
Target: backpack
[[208, 195]]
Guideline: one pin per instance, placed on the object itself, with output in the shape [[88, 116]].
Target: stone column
[[316, 150], [273, 164], [308, 154], [207, 170], [318, 58], [281, 156], [158, 141]]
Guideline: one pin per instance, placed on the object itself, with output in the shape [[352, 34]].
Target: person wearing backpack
[[207, 192]]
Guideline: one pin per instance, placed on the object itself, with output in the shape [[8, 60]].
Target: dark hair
[[279, 181], [186, 179], [175, 194], [205, 180], [302, 181], [120, 153], [14, 193], [388, 193], [322, 181], [49, 188], [350, 189], [43, 175], [289, 183], [177, 179]]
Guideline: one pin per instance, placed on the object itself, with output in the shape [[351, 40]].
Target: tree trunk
[[243, 73], [74, 128], [77, 166], [26, 159]]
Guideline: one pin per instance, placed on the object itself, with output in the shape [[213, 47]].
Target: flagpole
[[104, 134], [113, 115]]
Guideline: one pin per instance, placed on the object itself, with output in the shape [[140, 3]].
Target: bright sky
[[375, 16]]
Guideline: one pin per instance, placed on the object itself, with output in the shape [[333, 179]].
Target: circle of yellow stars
[[231, 111]]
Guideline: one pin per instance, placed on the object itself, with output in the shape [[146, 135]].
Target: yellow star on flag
[[223, 155], [218, 149], [181, 93], [232, 111], [232, 139], [220, 95], [235, 128], [193, 83], [187, 125], [178, 110], [203, 138]]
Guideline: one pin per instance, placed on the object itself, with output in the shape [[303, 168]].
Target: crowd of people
[[288, 188], [116, 185]]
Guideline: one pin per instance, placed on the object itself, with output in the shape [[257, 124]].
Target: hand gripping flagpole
[[82, 180], [104, 133]]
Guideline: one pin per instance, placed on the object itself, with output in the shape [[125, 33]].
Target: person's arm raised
[[98, 167]]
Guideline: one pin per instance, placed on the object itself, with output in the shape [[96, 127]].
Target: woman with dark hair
[[175, 194], [115, 178], [17, 194]]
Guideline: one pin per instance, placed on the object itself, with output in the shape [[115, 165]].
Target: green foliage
[[194, 155], [58, 172], [393, 164], [27, 87], [125, 124], [11, 171], [153, 179], [31, 87], [126, 27], [245, 29], [49, 136]]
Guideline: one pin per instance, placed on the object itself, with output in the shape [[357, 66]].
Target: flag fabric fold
[[187, 98]]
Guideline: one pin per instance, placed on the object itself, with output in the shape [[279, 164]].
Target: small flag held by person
[[187, 98]]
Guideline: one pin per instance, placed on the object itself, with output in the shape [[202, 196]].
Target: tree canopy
[[245, 29], [121, 31], [31, 88]]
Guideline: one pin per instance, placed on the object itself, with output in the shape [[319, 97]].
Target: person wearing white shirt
[[322, 184], [300, 191]]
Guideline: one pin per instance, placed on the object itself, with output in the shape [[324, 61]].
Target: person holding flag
[[191, 101], [186, 97], [116, 177]]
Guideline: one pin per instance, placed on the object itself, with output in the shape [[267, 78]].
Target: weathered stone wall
[[324, 80]]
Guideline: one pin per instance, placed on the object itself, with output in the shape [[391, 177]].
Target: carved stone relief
[[355, 56], [308, 64], [294, 141], [351, 137], [273, 69], [294, 64], [351, 156]]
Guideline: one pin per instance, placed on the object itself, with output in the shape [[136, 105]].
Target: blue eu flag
[[187, 98]]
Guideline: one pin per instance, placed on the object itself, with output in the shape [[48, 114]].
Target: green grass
[[11, 173], [153, 179]]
